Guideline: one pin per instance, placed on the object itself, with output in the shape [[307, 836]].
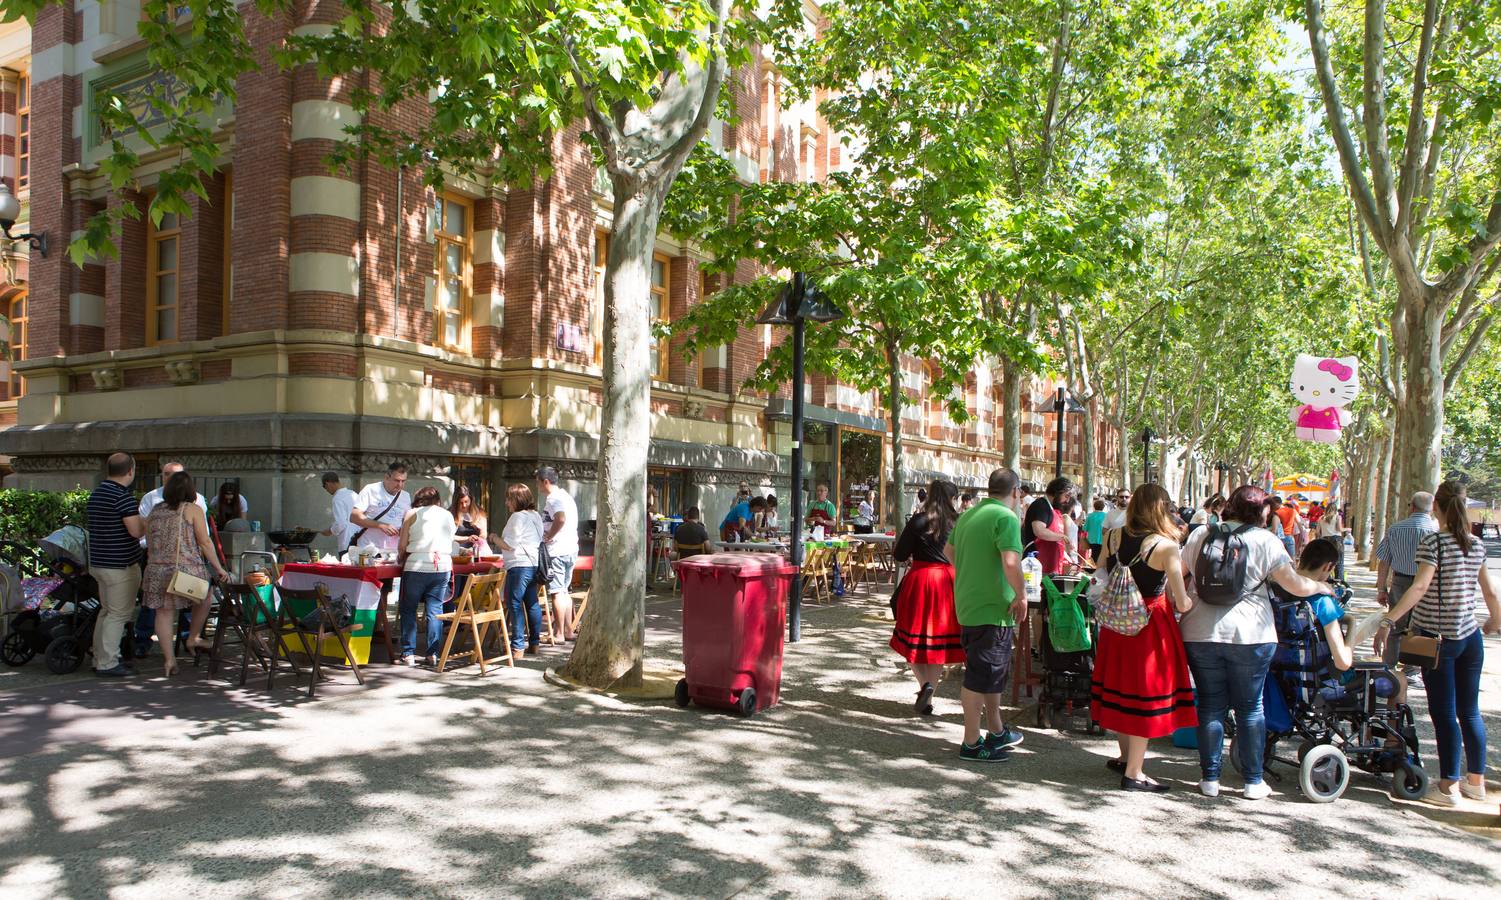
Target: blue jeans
[[522, 607], [1226, 677], [1454, 705], [430, 589], [1292, 548]]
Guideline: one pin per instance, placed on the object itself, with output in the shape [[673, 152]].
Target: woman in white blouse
[[519, 543], [426, 545]]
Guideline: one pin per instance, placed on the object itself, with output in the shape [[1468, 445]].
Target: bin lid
[[746, 565]]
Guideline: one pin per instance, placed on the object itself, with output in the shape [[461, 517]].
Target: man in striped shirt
[[115, 530], [1398, 552]]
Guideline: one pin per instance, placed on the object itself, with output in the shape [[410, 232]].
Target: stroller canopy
[[69, 542]]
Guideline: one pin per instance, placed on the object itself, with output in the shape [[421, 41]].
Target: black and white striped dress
[[1448, 607]]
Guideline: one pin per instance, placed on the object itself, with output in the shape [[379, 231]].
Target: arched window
[[16, 319]]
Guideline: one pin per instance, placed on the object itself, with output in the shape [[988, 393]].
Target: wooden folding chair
[[241, 615], [480, 606], [816, 572], [862, 560], [309, 643]]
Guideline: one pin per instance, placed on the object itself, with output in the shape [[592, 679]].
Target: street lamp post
[[798, 303], [1147, 436], [1061, 405]]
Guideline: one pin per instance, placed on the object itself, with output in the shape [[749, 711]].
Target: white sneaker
[[1258, 791], [407, 660], [1473, 791], [1209, 788], [1439, 797]]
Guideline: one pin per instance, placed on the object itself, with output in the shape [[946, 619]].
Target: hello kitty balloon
[[1324, 387]]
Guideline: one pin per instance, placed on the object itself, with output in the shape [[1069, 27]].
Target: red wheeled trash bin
[[734, 616]]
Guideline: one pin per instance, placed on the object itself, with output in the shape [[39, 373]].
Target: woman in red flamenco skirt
[[927, 630], [1141, 686]]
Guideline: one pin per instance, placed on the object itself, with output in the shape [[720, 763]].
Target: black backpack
[[1220, 570]]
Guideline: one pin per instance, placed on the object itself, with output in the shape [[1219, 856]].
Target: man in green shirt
[[823, 508], [986, 549]]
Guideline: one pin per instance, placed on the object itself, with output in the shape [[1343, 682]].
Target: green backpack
[[1067, 628]]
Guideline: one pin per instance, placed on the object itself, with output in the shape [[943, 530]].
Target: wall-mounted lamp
[[10, 210]]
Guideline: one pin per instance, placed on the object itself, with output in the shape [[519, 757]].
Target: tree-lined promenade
[[1159, 206]]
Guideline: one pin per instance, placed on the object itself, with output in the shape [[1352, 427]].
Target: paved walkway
[[466, 787]]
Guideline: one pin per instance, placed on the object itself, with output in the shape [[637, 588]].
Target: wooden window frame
[[597, 316], [23, 133], [15, 386], [154, 238], [442, 238], [228, 232], [664, 294]]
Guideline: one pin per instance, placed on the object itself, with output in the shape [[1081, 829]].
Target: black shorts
[[987, 657]]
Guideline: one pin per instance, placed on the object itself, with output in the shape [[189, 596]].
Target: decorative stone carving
[[183, 371], [35, 464], [693, 409], [568, 469], [106, 379]]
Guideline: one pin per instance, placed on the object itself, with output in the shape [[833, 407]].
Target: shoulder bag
[[375, 518], [1423, 650], [185, 583]]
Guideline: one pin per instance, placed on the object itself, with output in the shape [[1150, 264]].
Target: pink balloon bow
[[1337, 369]]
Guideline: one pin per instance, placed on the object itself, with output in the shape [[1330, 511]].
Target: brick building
[[301, 320]]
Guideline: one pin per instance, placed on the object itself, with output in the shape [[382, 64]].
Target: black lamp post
[[1061, 405], [797, 304], [10, 210], [1147, 436]]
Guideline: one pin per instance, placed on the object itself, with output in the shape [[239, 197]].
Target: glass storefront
[[860, 471]]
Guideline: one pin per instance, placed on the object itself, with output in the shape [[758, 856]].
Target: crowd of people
[[1199, 661], [1202, 657], [145, 552]]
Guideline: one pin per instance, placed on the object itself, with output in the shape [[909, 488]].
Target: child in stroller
[[61, 626], [1335, 704]]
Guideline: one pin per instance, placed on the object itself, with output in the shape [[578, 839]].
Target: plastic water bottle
[[1032, 578]]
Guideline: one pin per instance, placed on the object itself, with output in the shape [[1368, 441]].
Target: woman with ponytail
[[1451, 571]]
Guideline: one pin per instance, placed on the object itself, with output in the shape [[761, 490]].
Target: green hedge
[[29, 516]]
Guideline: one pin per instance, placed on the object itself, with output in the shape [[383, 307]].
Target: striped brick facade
[[307, 334]]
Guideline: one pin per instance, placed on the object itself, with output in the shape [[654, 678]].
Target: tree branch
[[1373, 101], [1476, 339], [1417, 130], [1339, 127]]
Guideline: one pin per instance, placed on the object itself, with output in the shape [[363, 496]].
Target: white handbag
[[186, 584]]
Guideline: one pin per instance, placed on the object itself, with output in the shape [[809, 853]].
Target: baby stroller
[[1067, 657], [60, 626], [1337, 718]]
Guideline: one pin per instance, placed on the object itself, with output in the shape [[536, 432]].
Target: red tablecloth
[[385, 571]]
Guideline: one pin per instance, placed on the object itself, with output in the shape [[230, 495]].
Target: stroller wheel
[[63, 655], [1409, 782], [1324, 774], [16, 649], [1303, 749]]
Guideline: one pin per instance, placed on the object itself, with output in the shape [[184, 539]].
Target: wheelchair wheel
[[1409, 782], [17, 649], [1324, 774]]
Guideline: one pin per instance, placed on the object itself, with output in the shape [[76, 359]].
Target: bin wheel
[[1410, 782], [63, 655], [747, 703], [17, 649], [680, 694], [1324, 774]]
